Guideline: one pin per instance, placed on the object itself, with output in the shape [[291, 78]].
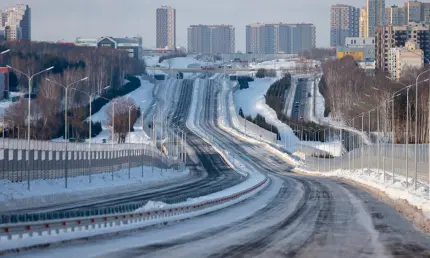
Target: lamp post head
[[84, 79], [4, 52], [49, 69], [8, 66]]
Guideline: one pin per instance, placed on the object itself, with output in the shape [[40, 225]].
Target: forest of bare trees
[[349, 91], [103, 67]]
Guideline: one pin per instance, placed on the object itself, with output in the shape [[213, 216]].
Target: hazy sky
[[53, 20]]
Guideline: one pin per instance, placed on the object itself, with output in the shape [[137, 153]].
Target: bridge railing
[[52, 160]]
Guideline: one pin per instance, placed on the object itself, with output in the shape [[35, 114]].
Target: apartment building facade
[[211, 39], [363, 23], [344, 22], [413, 11], [166, 27], [402, 58], [388, 37], [395, 15], [280, 38], [375, 10], [17, 23]]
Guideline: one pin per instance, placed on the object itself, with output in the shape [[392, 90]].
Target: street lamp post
[[395, 94], [362, 143], [416, 118], [30, 79], [90, 99], [113, 131], [368, 130], [66, 126], [416, 123], [129, 138]]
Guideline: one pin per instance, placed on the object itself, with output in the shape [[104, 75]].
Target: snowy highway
[[295, 216]]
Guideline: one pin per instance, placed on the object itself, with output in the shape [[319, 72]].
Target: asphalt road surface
[[213, 175], [309, 217]]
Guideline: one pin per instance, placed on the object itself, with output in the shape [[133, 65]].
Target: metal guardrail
[[42, 228]]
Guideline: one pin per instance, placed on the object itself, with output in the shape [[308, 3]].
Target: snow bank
[[252, 102], [150, 205], [375, 179]]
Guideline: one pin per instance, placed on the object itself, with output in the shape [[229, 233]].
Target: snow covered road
[[297, 216]]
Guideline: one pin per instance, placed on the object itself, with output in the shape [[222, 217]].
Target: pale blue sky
[[54, 20]]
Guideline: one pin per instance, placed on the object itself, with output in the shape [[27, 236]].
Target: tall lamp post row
[[66, 88], [30, 80]]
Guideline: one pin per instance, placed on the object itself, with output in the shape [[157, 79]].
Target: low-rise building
[[358, 53], [86, 42], [402, 58], [359, 42], [369, 66], [133, 46], [388, 37]]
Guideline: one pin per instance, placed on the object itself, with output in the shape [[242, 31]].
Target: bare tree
[[121, 122]]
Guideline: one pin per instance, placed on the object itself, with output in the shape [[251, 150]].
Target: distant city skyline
[[96, 18]]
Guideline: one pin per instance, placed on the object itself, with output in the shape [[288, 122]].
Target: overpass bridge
[[227, 70]]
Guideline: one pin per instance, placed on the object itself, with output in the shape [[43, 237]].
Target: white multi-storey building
[[280, 38], [166, 27], [402, 58], [211, 39], [18, 22], [359, 42]]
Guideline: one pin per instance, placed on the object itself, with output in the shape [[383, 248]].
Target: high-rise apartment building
[[280, 38], [166, 27], [388, 37], [413, 11], [425, 13], [255, 38], [344, 22], [363, 23], [17, 22], [396, 15], [2, 18], [211, 39], [375, 10]]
